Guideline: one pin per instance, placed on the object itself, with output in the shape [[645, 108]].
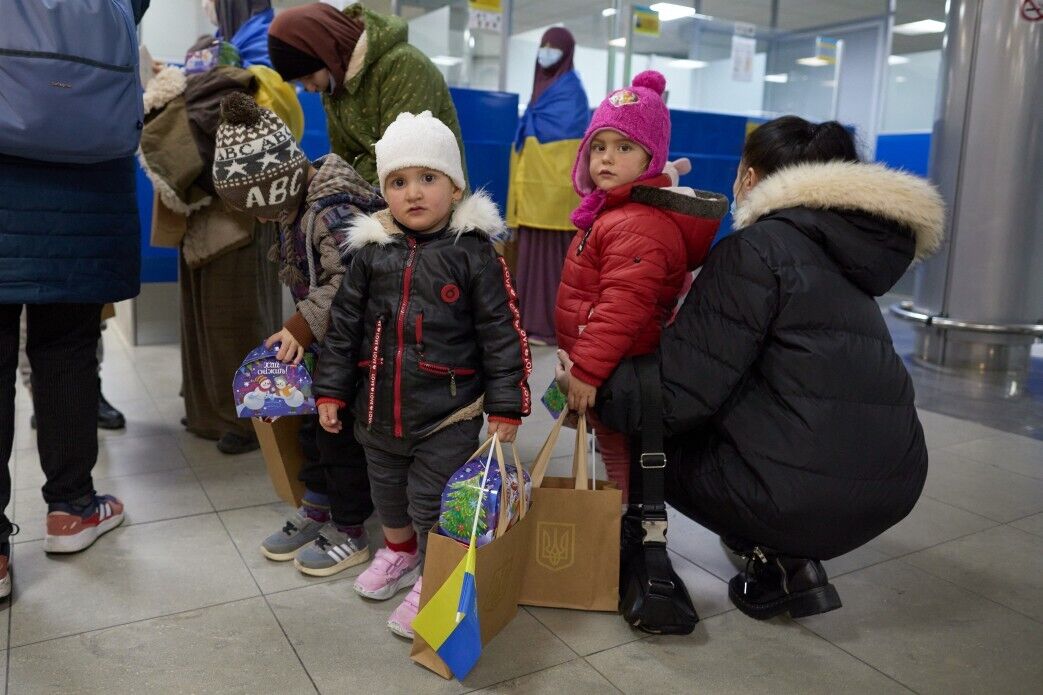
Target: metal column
[[979, 301]]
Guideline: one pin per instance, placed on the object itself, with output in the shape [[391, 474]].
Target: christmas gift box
[[267, 388], [463, 492]]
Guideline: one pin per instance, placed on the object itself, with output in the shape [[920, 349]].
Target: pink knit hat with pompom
[[639, 113]]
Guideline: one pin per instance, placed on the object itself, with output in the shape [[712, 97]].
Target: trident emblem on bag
[[556, 543]]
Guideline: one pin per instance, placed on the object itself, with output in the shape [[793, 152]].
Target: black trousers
[[62, 344], [335, 466]]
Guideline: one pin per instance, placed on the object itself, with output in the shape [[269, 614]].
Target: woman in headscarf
[[366, 72], [541, 195]]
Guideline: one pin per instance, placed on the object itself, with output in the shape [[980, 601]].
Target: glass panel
[[695, 55], [591, 24], [914, 66], [798, 15], [466, 57]]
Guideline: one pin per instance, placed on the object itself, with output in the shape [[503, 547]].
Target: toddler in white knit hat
[[425, 337]]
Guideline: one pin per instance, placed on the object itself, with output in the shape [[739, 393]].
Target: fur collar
[[476, 213], [357, 61], [169, 84], [872, 188]]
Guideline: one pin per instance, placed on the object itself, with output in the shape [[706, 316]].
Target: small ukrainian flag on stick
[[449, 621]]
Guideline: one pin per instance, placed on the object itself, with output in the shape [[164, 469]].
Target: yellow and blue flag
[[449, 621]]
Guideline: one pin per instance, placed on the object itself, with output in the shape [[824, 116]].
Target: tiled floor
[[180, 600]]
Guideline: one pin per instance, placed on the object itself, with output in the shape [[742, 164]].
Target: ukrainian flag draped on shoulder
[[549, 135]]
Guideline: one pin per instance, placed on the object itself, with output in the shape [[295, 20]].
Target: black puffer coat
[[790, 416], [420, 332]]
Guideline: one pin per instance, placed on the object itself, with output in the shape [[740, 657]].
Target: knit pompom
[[650, 79], [240, 109]]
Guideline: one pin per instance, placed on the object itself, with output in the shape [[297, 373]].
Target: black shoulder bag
[[652, 597]]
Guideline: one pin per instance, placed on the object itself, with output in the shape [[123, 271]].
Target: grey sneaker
[[333, 551], [298, 532]]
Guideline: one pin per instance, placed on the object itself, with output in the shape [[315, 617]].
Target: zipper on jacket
[[403, 308], [374, 362], [443, 370], [420, 332], [583, 241]]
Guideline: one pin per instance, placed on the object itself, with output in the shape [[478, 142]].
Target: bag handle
[[652, 460], [539, 467], [579, 455]]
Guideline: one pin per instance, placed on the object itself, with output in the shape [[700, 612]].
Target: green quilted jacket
[[393, 77]]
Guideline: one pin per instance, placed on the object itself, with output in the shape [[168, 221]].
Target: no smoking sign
[[1032, 10]]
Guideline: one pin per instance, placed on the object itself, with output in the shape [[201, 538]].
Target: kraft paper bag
[[573, 559], [282, 455], [498, 571]]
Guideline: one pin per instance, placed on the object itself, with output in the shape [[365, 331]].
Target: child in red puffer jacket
[[637, 242]]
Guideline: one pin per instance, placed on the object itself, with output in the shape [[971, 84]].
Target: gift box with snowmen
[[266, 387]]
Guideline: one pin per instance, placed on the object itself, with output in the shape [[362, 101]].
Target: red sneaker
[[71, 529], [5, 570]]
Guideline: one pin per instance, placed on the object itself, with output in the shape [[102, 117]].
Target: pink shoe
[[401, 621], [389, 573]]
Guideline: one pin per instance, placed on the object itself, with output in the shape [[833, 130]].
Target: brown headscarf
[[555, 37], [319, 31]]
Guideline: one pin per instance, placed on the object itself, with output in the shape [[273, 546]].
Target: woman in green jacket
[[366, 71]]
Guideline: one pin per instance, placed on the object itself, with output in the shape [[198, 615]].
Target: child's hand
[[581, 395], [329, 419], [290, 351], [508, 433], [561, 371]]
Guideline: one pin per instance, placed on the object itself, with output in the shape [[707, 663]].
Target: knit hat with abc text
[[258, 167]]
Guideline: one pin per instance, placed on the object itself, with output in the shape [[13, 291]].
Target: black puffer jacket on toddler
[[421, 330]]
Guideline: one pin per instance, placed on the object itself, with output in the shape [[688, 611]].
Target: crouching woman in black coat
[[791, 426]]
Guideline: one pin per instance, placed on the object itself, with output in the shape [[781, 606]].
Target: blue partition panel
[[157, 265], [908, 151], [714, 143]]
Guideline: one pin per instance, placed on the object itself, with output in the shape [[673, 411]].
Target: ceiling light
[[900, 79], [608, 12], [780, 78], [447, 61], [897, 60], [688, 64], [813, 61], [668, 11], [924, 26], [621, 42]]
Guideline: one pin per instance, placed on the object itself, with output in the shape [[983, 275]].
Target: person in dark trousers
[[69, 244], [791, 424], [313, 201]]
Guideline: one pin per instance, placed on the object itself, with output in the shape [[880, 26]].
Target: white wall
[[910, 93], [169, 27]]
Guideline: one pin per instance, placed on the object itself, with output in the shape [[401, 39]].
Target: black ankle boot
[[108, 417], [232, 444], [774, 584]]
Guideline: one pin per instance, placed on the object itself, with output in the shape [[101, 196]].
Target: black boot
[[232, 443], [108, 417], [774, 584]]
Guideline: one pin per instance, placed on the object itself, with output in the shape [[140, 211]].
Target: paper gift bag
[[573, 560], [498, 570], [283, 456]]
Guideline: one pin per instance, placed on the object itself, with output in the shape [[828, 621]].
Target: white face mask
[[548, 56]]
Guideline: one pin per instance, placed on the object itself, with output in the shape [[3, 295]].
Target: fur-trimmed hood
[[872, 189], [476, 213]]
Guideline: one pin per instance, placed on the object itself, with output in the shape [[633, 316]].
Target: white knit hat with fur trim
[[419, 141]]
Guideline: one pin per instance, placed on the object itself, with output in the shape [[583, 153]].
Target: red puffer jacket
[[622, 278]]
